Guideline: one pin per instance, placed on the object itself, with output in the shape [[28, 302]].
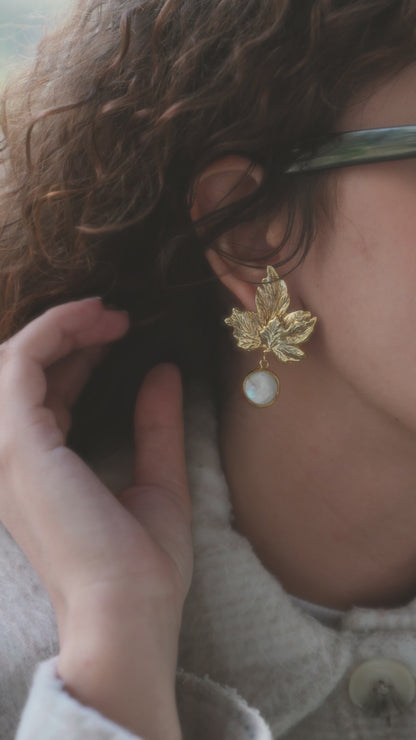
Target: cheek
[[363, 278]]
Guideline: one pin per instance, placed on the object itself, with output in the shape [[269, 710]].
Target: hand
[[117, 570]]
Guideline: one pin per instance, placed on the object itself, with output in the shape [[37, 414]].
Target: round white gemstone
[[261, 387]]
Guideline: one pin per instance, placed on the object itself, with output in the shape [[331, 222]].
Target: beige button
[[382, 686]]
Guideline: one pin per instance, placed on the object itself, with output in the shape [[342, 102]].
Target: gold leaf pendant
[[270, 329]]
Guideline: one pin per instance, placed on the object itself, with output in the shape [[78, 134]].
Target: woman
[[171, 154]]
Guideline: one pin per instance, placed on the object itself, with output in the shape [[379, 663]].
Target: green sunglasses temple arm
[[358, 147]]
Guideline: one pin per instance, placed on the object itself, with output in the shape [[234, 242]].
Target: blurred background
[[21, 24]]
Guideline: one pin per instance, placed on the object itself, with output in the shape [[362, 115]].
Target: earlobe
[[234, 278]]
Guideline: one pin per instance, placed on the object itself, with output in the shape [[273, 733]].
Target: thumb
[[159, 433], [159, 497]]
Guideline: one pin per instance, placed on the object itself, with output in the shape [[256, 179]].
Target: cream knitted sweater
[[254, 666]]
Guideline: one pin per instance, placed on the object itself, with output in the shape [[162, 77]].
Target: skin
[[333, 462]]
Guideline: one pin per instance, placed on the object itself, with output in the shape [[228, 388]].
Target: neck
[[323, 487]]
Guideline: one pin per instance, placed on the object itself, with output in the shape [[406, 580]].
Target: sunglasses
[[356, 147]]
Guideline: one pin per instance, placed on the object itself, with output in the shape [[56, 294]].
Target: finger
[[159, 433], [46, 340], [71, 326]]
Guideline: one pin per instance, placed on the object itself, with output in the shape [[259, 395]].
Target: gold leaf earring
[[270, 329]]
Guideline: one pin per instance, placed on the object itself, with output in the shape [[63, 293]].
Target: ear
[[224, 182]]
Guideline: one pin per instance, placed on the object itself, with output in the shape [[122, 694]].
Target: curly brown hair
[[126, 104]]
